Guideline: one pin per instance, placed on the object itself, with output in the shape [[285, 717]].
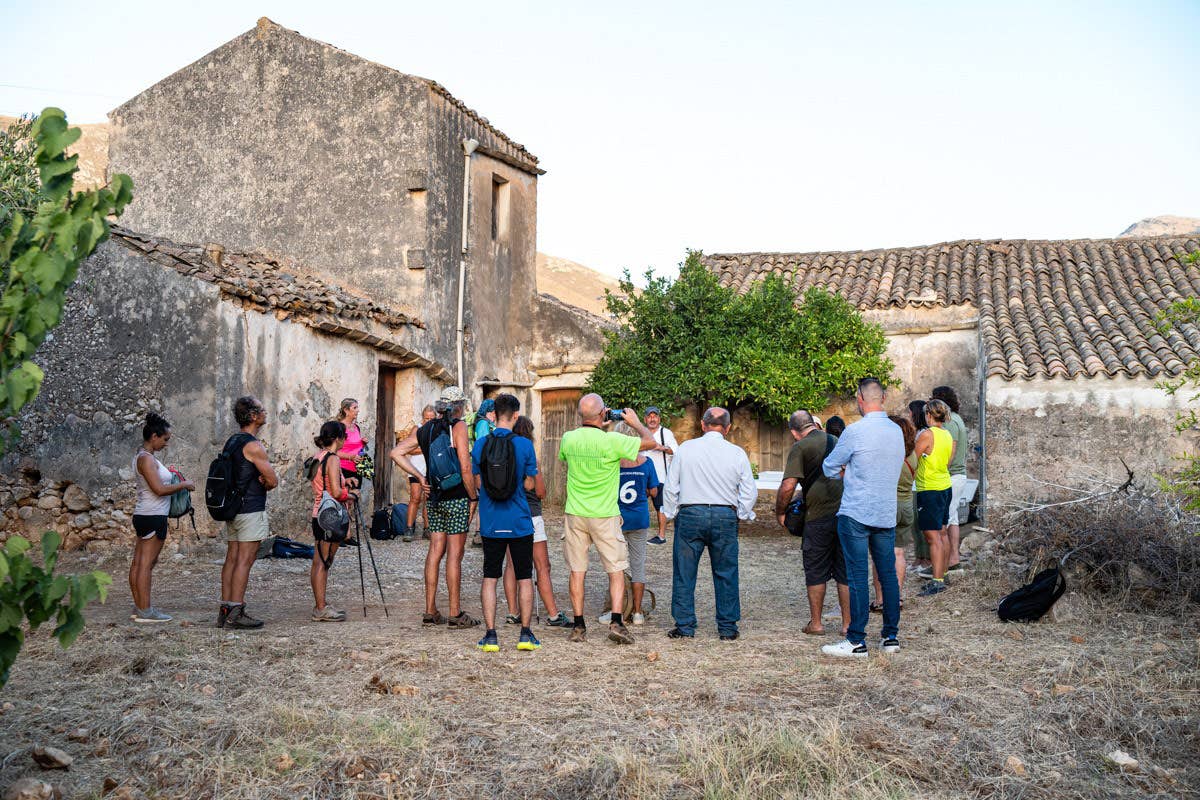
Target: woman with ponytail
[[329, 478], [154, 490]]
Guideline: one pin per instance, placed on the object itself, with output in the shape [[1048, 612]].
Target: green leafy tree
[[1185, 312], [43, 239], [693, 341], [46, 231], [36, 594]]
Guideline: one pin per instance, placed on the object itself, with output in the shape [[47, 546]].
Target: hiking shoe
[[528, 642], [350, 542], [925, 572], [656, 540], [463, 620], [150, 614], [730, 637], [222, 615], [618, 633], [932, 588], [238, 618], [578, 634], [512, 619], [845, 649], [489, 643], [675, 633], [435, 618], [891, 645], [406, 537], [639, 619], [559, 621], [328, 614]]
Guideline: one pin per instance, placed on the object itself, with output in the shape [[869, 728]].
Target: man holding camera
[[593, 516]]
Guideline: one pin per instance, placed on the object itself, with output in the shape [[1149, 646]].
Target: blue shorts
[[933, 509]]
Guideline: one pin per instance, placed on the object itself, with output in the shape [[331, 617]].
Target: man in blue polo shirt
[[506, 524]]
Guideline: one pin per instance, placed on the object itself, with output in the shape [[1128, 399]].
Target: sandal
[[435, 618], [463, 620], [876, 608], [813, 631], [512, 619]]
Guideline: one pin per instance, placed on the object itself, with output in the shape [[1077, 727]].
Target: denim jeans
[[857, 539], [696, 528]]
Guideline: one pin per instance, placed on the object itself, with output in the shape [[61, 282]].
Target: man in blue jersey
[[506, 523]]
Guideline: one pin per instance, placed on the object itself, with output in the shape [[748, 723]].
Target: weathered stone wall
[[1045, 433], [137, 336], [280, 143]]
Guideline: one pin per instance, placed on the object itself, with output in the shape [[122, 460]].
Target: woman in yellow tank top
[[935, 450]]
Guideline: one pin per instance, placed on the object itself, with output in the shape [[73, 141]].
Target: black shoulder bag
[[793, 519]]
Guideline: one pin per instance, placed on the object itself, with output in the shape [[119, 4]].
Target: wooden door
[[560, 413], [385, 435]]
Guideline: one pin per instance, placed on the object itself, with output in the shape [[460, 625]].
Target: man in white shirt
[[661, 457], [710, 486]]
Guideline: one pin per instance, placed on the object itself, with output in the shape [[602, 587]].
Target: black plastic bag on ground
[[1031, 602]]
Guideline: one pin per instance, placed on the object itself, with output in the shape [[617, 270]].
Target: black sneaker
[[932, 588], [729, 637], [675, 633], [891, 645], [238, 618], [656, 540], [350, 542]]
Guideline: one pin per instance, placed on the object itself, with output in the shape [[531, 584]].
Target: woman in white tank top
[[154, 490]]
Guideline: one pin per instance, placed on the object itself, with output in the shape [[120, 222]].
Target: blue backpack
[[443, 470]]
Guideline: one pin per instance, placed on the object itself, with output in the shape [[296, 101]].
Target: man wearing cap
[[661, 455], [449, 510]]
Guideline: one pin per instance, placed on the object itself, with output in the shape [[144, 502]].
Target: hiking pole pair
[[361, 580]]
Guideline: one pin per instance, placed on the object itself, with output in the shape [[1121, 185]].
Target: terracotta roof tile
[[1046, 308]]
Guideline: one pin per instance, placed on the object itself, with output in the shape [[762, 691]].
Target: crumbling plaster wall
[[1044, 433], [136, 337]]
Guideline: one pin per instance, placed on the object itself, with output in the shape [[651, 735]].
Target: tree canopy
[[693, 341]]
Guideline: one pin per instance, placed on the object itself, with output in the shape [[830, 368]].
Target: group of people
[[863, 493]]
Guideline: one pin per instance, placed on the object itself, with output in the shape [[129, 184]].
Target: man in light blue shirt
[[868, 458]]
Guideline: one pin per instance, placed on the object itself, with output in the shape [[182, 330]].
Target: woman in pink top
[[352, 449], [328, 479]]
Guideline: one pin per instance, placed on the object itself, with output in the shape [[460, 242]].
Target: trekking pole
[[371, 554], [361, 582]]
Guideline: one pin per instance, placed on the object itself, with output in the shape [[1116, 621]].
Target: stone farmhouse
[[1052, 346], [307, 226]]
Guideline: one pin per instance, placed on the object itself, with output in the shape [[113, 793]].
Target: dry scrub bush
[[1138, 546]]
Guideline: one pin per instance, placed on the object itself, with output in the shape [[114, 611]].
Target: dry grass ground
[[970, 708]]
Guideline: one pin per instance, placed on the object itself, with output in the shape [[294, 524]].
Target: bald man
[[867, 459], [593, 516]]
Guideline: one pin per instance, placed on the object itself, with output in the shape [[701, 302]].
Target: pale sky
[[726, 126]]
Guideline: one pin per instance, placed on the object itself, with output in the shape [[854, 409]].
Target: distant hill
[[1165, 225], [574, 283], [92, 148]]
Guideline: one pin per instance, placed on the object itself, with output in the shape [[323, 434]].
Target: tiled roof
[[1047, 309], [273, 285]]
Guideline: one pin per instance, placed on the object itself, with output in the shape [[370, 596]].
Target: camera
[[614, 415]]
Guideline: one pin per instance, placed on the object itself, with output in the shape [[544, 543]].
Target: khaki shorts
[[251, 527], [958, 487], [603, 532]]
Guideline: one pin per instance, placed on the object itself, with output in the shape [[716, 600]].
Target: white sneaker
[[889, 645], [639, 619], [604, 618], [845, 649]]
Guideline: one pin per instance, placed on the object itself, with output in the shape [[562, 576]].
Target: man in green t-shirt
[[821, 548], [593, 516]]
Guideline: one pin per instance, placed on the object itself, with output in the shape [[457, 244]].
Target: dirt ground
[[380, 707]]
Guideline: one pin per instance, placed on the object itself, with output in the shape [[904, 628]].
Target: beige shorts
[[958, 486], [604, 532], [251, 527]]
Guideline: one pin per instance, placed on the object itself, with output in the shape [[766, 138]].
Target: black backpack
[[498, 467], [381, 525], [222, 494], [1031, 602]]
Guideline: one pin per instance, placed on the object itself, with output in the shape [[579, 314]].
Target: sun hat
[[452, 394]]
